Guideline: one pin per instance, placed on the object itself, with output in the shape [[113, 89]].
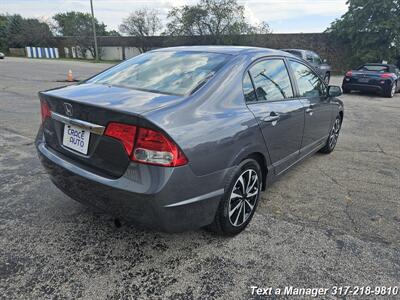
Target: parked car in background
[[2, 55], [180, 138], [320, 65], [373, 77]]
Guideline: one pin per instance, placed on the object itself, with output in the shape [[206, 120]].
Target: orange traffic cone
[[70, 77]]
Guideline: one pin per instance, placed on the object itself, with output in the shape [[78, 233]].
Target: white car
[[2, 55]]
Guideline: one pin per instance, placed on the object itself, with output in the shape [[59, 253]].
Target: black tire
[[346, 91], [389, 93], [327, 78], [333, 136], [224, 222]]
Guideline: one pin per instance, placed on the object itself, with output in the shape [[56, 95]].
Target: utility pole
[[94, 32]]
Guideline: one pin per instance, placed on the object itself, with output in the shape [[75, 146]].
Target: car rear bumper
[[168, 199], [363, 87]]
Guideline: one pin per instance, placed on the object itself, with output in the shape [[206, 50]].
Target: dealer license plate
[[364, 80], [76, 138]]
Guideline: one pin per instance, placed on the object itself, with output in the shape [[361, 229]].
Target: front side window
[[308, 82], [169, 72], [271, 80]]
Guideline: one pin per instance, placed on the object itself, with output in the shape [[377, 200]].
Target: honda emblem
[[68, 109]]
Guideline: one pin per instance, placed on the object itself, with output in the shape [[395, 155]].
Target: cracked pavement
[[332, 220]]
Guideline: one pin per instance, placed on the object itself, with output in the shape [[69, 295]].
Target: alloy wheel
[[244, 197], [334, 133]]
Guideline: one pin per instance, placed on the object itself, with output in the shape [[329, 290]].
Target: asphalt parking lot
[[333, 220]]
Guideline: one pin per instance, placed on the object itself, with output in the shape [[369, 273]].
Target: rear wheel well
[[260, 159]]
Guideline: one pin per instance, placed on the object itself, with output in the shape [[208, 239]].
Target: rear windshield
[[375, 68], [165, 72]]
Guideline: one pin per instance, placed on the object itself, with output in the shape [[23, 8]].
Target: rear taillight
[[123, 132], [386, 75], [146, 145], [153, 147], [45, 109], [349, 74]]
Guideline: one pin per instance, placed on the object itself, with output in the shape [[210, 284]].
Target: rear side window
[[248, 89], [166, 72], [271, 80], [308, 82]]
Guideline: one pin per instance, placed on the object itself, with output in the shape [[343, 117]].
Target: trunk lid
[[363, 76], [98, 104]]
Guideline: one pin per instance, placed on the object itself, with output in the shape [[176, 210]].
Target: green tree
[[142, 23], [78, 25], [112, 33], [214, 18], [371, 28], [3, 32], [18, 32]]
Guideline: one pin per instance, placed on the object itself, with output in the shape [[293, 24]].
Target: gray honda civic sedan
[[185, 137]]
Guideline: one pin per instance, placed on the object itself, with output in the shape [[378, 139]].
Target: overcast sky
[[284, 16]]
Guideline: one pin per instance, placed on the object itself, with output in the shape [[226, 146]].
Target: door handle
[[273, 118], [309, 111]]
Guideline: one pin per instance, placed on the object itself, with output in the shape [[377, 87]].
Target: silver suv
[[320, 65]]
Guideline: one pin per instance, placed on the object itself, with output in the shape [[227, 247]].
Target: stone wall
[[337, 54]]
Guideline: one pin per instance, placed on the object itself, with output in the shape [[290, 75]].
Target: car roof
[[231, 50]]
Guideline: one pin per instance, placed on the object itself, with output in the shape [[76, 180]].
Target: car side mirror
[[334, 91]]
